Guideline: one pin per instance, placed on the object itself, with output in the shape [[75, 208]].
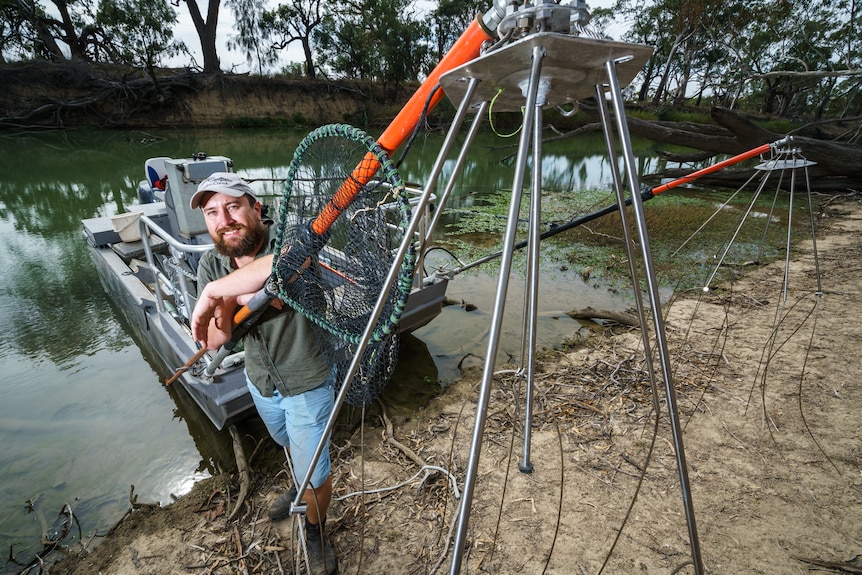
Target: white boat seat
[[157, 174]]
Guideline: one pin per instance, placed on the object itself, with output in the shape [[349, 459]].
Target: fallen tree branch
[[593, 314], [242, 469], [836, 565], [390, 438]]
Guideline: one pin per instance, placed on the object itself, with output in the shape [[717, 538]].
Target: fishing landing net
[[344, 203]]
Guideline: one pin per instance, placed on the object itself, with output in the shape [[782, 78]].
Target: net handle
[[719, 166], [346, 193]]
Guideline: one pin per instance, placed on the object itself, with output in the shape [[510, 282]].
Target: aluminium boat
[[147, 262]]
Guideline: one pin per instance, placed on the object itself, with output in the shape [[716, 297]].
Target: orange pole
[[465, 49], [713, 168]]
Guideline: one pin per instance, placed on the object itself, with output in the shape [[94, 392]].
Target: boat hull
[[168, 342]]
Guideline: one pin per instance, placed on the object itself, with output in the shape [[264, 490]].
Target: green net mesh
[[334, 273]]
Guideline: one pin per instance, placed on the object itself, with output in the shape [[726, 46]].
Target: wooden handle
[[200, 353]]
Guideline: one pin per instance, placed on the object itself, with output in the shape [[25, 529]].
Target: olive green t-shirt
[[281, 350]]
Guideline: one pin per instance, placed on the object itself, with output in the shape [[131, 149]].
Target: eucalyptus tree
[[778, 56], [796, 58], [294, 22], [449, 20], [140, 33], [250, 32], [679, 30], [847, 37], [383, 41], [820, 59]]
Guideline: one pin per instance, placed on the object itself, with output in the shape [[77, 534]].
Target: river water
[[83, 415]]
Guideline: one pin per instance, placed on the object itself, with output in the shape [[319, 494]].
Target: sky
[[235, 60]]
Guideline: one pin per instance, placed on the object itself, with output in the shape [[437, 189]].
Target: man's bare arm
[[246, 280]]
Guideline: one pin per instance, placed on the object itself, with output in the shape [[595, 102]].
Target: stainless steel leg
[[532, 292], [497, 317], [655, 306]]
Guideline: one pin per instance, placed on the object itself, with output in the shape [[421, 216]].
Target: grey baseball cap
[[222, 183]]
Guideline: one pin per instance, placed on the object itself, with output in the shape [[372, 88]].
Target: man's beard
[[248, 244]]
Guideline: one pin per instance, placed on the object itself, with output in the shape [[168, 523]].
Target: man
[[289, 381]]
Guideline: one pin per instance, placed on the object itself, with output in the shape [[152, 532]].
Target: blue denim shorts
[[298, 422]]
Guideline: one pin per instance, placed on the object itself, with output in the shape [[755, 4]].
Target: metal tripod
[[538, 71]]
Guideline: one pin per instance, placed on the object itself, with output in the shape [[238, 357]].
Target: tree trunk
[[70, 34], [681, 90], [662, 85], [309, 59], [644, 91], [206, 30]]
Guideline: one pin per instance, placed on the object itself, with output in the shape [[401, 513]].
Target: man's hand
[[212, 319]]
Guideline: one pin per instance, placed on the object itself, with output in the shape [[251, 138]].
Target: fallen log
[[589, 313], [838, 165], [242, 469]]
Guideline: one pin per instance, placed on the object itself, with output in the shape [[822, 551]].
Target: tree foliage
[[250, 32], [783, 57], [449, 19], [382, 41], [140, 34], [61, 31]]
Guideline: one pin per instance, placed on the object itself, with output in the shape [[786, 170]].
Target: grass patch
[[685, 249]]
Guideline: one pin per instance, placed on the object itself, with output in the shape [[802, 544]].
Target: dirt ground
[[768, 399]]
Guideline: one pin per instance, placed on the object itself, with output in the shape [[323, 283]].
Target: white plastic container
[[127, 226]]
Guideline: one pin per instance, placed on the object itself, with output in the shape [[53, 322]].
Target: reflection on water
[[83, 415]]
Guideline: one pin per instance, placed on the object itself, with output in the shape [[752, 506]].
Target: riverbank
[[64, 95], [768, 397]]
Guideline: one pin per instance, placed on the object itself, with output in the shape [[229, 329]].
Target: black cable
[[416, 127]]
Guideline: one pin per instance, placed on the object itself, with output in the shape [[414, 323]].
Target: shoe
[[280, 509], [321, 555]]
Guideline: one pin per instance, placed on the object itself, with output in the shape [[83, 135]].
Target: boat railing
[[421, 231], [179, 251], [181, 287]]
